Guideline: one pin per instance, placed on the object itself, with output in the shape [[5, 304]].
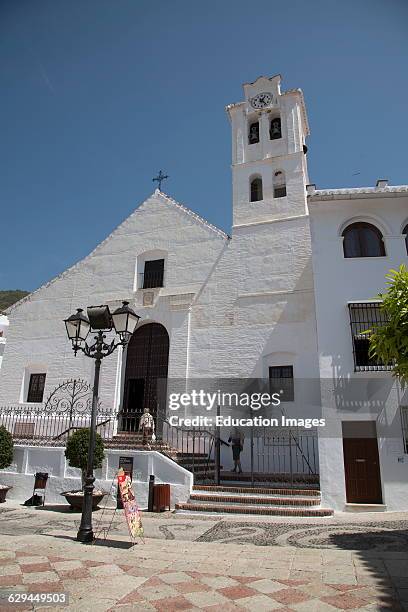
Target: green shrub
[[6, 448], [76, 450], [389, 343]]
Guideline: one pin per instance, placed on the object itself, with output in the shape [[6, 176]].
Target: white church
[[286, 297]]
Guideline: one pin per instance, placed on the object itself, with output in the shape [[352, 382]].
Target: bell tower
[[269, 168]]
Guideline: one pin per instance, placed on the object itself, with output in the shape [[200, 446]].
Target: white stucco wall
[[31, 459], [37, 339], [4, 323]]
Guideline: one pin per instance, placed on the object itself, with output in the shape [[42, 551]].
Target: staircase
[[301, 479], [197, 463], [272, 494], [134, 441], [269, 501]]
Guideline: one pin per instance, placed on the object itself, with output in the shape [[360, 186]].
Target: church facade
[[285, 297]]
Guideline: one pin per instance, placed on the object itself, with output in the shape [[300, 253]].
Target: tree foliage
[[10, 296], [76, 450], [6, 448], [389, 343]]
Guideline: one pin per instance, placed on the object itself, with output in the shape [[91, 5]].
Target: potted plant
[[6, 457], [76, 452]]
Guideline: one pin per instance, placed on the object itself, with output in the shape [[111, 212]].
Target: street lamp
[[99, 318]]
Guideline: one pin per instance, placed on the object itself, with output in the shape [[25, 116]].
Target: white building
[[358, 235], [271, 301]]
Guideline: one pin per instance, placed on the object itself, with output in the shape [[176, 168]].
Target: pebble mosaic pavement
[[213, 564]]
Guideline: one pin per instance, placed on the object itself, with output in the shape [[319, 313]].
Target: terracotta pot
[[75, 500], [3, 492]]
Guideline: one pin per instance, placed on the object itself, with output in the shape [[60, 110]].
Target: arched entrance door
[[146, 373]]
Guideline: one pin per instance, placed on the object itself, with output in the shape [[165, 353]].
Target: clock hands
[[261, 100]]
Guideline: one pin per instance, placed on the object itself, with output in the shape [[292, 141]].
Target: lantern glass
[[72, 329], [125, 320], [84, 328], [77, 326]]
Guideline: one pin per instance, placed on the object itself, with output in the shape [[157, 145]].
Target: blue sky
[[98, 95]]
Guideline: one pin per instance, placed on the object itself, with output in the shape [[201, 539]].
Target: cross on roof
[[160, 178]]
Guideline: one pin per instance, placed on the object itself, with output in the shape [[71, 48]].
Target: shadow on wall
[[294, 307]]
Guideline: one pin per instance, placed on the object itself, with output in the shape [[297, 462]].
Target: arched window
[[253, 132], [256, 189], [275, 128], [279, 184], [363, 240], [405, 231]]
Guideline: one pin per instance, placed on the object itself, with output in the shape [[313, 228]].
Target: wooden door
[[362, 470], [146, 368]]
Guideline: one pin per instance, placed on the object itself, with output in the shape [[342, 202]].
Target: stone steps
[[201, 468], [266, 511], [137, 445], [267, 501], [275, 478], [257, 500], [199, 461], [190, 457], [258, 490]]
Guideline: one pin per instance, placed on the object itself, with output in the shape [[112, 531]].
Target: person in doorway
[[146, 425], [237, 443]]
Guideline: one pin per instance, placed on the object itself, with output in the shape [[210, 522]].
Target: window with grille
[[281, 381], [279, 192], [36, 388], [364, 318], [279, 184], [256, 190], [153, 274]]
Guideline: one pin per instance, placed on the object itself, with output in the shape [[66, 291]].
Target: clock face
[[261, 100]]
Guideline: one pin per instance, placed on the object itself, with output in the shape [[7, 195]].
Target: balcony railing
[[151, 280]]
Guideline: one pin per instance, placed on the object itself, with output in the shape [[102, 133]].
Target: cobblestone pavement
[[347, 563]]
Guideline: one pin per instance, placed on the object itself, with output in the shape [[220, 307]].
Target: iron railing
[[289, 454], [151, 280], [193, 448], [38, 427]]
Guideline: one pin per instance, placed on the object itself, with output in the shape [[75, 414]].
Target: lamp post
[[99, 318]]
